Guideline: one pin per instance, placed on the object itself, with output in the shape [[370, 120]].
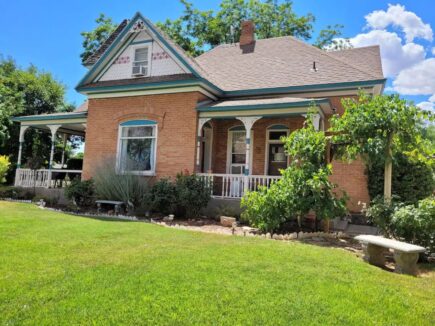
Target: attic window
[[141, 62]]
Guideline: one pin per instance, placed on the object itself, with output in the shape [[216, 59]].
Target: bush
[[164, 196], [4, 167], [411, 181], [192, 194], [131, 189], [82, 193], [50, 201], [15, 193], [410, 223]]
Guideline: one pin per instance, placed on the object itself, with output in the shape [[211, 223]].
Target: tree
[[329, 39], [196, 30], [95, 38], [304, 185], [27, 92], [379, 127]]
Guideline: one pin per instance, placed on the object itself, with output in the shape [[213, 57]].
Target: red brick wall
[[177, 124]]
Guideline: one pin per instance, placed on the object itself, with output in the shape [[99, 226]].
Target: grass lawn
[[62, 270]]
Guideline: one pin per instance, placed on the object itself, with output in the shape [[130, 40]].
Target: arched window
[[137, 147], [276, 159]]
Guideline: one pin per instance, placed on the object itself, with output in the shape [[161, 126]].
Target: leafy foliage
[[192, 194], [164, 196], [378, 127], [411, 223], [329, 39], [4, 167], [411, 182], [82, 193], [304, 185], [95, 38]]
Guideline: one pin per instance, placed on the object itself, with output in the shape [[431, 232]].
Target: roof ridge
[[354, 49]]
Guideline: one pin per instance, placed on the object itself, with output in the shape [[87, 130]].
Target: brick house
[[155, 111]]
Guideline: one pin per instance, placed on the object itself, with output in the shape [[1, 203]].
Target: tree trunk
[[388, 171]]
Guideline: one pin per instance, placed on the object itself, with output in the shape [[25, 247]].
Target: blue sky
[[47, 34]]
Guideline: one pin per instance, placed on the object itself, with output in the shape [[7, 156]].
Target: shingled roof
[[283, 62], [273, 63], [94, 57]]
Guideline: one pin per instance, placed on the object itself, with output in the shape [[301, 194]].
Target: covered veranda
[[239, 143], [55, 173]]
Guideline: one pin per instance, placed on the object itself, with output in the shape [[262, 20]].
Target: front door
[[277, 159]]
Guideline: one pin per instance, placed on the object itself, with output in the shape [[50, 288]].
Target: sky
[[46, 33]]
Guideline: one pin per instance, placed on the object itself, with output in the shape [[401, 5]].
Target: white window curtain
[[140, 63]]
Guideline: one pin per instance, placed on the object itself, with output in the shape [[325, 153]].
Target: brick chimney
[[247, 35]]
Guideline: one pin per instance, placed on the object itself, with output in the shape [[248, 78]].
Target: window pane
[[142, 131], [276, 135], [141, 54], [238, 145], [137, 154], [238, 158]]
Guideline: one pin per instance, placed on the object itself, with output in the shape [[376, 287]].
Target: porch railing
[[234, 185], [44, 178]]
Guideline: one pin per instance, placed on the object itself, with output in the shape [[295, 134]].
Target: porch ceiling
[[283, 106], [72, 123]]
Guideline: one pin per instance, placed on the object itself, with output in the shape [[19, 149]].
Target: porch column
[[248, 122], [20, 146], [53, 129], [201, 123], [63, 149], [316, 120]]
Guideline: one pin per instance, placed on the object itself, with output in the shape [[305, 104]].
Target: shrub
[[49, 200], [131, 189], [82, 193], [410, 223], [411, 181], [164, 196], [192, 194], [4, 167]]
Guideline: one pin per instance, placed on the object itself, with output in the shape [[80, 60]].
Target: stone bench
[[405, 254], [115, 203]]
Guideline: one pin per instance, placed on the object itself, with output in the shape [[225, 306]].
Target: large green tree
[[199, 30], [378, 127], [27, 92]]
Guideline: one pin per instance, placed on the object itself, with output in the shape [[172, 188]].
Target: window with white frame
[[137, 147], [141, 61]]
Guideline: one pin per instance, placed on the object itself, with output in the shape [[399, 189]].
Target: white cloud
[[417, 80], [433, 50], [395, 55], [398, 16], [427, 106]]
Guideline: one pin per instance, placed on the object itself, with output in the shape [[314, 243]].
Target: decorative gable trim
[[136, 25]]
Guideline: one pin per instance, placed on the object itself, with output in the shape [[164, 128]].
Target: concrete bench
[[405, 254], [115, 203]]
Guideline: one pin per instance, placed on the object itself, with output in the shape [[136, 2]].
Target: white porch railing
[[43, 178], [234, 185]]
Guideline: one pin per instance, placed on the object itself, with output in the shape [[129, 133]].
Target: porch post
[[248, 122], [20, 146], [201, 123], [53, 129], [63, 149]]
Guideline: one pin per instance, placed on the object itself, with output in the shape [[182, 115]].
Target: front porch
[[239, 144], [60, 126]]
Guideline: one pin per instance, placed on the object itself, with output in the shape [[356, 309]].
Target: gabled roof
[[366, 58], [274, 65], [94, 57], [280, 62]]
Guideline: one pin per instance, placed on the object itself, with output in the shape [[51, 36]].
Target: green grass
[[61, 270]]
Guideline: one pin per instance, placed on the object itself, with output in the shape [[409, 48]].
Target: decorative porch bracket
[[248, 122], [201, 123], [53, 129], [316, 121], [20, 145]]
